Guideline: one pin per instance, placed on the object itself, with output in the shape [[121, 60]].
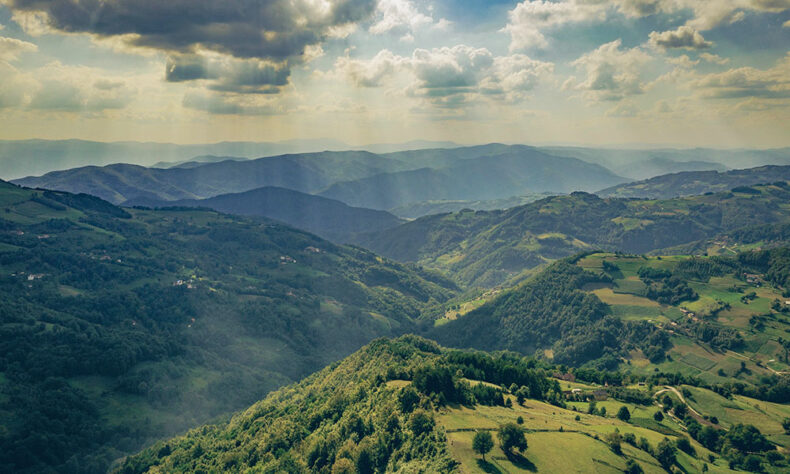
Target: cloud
[[14, 86], [228, 74], [746, 82], [219, 104], [369, 73], [786, 24], [63, 89], [706, 14], [684, 37], [611, 73], [12, 48], [450, 77], [280, 32], [715, 59], [530, 18], [400, 16]]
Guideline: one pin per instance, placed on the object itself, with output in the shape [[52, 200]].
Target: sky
[[684, 73]]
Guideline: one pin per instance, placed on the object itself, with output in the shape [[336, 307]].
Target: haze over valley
[[394, 236]]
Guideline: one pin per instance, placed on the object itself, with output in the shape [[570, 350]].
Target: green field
[[557, 442], [720, 304]]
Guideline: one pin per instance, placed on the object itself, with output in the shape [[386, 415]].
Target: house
[[312, 249]]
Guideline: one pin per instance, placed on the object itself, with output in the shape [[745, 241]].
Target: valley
[[132, 322]]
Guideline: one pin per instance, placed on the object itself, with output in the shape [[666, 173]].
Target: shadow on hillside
[[486, 466], [521, 462]]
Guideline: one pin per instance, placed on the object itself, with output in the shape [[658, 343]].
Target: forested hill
[[408, 405], [550, 312], [488, 248], [373, 412], [697, 182], [328, 218], [722, 319], [119, 326]]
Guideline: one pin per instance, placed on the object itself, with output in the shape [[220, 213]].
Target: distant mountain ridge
[[697, 182], [357, 178], [325, 217], [522, 171], [302, 172], [19, 158]]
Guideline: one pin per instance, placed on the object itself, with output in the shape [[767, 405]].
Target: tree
[[786, 425], [482, 443], [631, 467], [420, 422], [623, 414], [408, 398], [666, 401], [658, 416], [512, 436], [614, 440], [343, 466], [680, 410], [666, 453]]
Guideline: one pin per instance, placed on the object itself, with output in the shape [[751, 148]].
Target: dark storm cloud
[[266, 37], [265, 29], [243, 76]]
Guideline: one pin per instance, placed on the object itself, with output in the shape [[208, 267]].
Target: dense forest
[[362, 413], [551, 312], [120, 326]]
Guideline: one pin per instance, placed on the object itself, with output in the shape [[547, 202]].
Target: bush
[[623, 414]]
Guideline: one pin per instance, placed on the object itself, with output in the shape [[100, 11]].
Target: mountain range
[[486, 248], [328, 218]]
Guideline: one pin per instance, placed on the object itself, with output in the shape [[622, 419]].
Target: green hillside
[[121, 326], [727, 317], [697, 182], [723, 322], [408, 405], [489, 248]]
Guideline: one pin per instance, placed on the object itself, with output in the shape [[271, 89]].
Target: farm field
[[553, 433], [746, 305]]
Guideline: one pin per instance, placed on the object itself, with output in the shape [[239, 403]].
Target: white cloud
[[746, 82], [612, 73], [450, 76], [12, 48], [683, 61], [715, 59], [530, 18], [369, 73], [685, 37], [60, 88], [402, 17]]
